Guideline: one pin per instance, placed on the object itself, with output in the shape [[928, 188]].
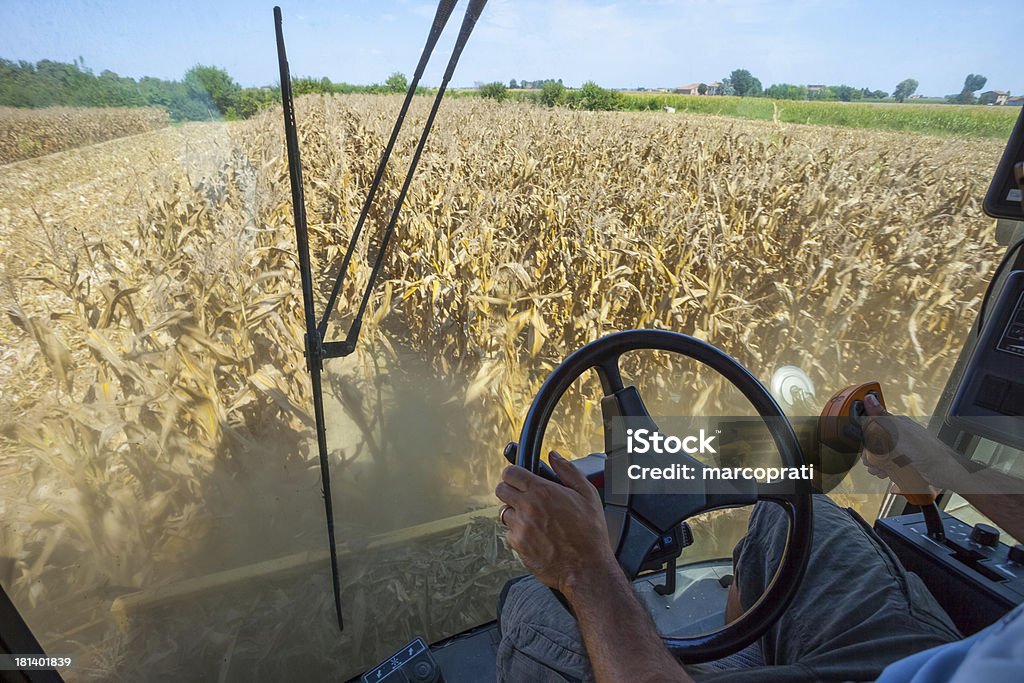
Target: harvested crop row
[[27, 133]]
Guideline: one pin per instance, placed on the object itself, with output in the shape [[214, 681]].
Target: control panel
[[974, 576], [414, 663], [668, 548], [1012, 338], [990, 399]]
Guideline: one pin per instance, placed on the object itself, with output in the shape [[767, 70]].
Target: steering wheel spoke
[[620, 411], [634, 542], [663, 510], [609, 373]]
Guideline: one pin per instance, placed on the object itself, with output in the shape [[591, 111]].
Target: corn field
[[27, 133], [155, 397]]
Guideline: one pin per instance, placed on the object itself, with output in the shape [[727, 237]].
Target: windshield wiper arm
[[444, 12], [468, 22], [314, 346]]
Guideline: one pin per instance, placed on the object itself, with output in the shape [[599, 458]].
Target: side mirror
[[1005, 197]]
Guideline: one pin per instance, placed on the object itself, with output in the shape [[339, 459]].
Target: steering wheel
[[636, 522]]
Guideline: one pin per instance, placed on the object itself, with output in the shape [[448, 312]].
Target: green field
[[971, 121], [938, 119]]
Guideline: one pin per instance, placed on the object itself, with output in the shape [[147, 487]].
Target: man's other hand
[[559, 531], [891, 441]]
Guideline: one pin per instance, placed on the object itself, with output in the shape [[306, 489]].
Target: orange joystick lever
[[840, 428]]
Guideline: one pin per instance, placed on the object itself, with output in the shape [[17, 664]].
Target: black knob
[[985, 534], [1017, 554], [424, 672]]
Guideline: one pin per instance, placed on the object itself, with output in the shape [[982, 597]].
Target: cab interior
[[976, 571]]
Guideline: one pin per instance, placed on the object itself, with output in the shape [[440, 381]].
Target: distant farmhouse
[[997, 97], [694, 89], [1016, 101], [815, 88]]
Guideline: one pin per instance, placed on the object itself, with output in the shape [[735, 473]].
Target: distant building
[[1016, 101], [694, 89], [817, 87], [997, 97]]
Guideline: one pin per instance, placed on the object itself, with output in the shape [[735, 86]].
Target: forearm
[[997, 495], [618, 633]]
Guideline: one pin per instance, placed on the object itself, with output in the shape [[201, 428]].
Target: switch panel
[[990, 399], [975, 582], [1012, 339]]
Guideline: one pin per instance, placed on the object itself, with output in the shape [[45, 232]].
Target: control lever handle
[[909, 482], [840, 427]]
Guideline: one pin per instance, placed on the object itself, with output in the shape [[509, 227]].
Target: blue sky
[[649, 43]]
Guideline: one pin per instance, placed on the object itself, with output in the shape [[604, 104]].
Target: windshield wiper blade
[[444, 12], [468, 22]]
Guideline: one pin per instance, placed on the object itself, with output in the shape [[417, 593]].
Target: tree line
[[207, 92], [204, 92], [551, 92], [742, 83]]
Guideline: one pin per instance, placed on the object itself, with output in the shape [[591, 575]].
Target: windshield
[[159, 485]]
